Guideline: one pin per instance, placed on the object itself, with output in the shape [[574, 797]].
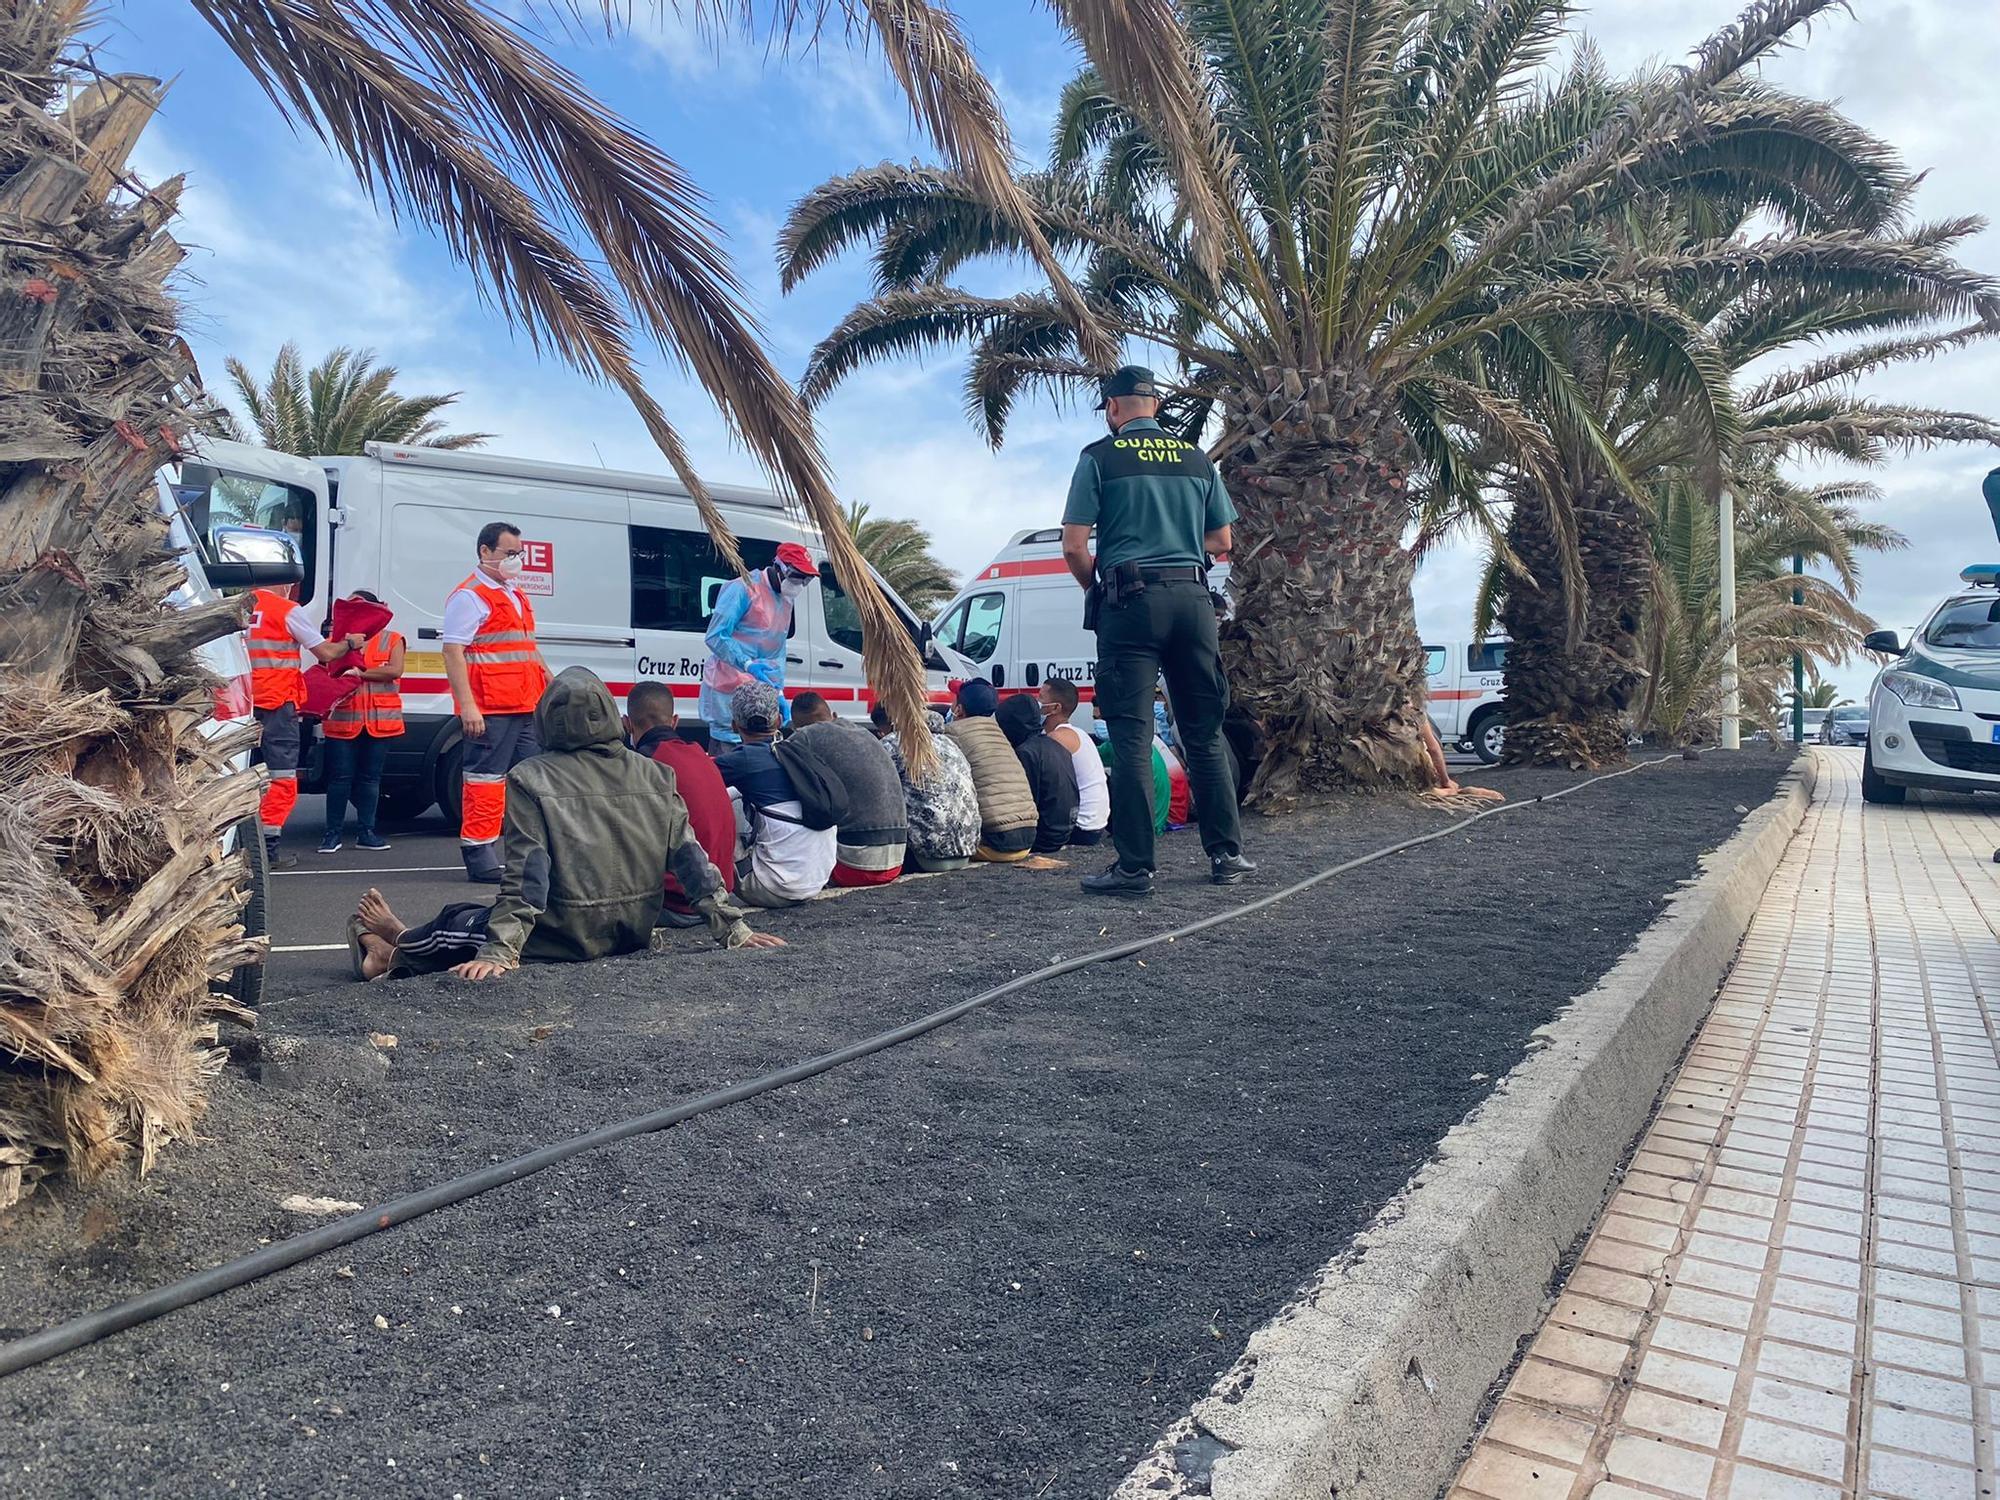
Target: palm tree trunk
[[1323, 648], [1568, 699], [118, 907]]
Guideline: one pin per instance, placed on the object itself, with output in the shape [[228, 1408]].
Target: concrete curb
[[1367, 1386]]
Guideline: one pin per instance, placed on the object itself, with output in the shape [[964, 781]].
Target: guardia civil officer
[[1161, 512]]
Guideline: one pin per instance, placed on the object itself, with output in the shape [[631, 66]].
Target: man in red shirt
[[650, 725]]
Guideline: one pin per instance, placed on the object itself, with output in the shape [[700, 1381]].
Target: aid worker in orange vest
[[277, 632], [497, 676], [358, 730]]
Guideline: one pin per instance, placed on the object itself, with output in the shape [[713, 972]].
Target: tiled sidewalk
[[1795, 1293]]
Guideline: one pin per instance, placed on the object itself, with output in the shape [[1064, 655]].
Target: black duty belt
[[1187, 573]]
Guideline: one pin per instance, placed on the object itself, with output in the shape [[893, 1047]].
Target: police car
[[1934, 713]]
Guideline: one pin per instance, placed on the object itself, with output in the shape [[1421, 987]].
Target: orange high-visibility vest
[[507, 673], [275, 676], [374, 708]]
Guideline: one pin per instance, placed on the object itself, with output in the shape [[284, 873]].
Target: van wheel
[[246, 985], [1874, 788], [1489, 737], [450, 784]]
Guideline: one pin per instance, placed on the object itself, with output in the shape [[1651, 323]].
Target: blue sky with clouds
[[285, 246]]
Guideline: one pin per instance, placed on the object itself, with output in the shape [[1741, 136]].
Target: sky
[[283, 245]]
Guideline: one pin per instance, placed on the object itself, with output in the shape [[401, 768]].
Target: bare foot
[[378, 956], [374, 914]]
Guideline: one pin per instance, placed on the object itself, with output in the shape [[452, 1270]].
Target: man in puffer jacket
[[1007, 815], [591, 829]]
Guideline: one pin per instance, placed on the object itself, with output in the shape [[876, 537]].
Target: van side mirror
[[249, 557], [1882, 642]]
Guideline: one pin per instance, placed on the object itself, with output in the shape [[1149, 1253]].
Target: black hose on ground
[[88, 1329]]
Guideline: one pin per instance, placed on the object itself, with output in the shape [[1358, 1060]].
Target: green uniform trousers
[[1169, 628]]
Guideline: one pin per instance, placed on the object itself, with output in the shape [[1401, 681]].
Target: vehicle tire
[[246, 985], [450, 783], [1488, 737], [1874, 788]]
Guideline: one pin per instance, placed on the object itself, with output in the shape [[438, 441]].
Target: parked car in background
[[1845, 726], [1814, 720], [1934, 712]]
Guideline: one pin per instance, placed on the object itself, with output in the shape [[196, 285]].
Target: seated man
[[1050, 777], [1058, 702], [779, 861], [590, 831], [1443, 784], [868, 846], [943, 808], [1007, 815], [1163, 790], [652, 726]]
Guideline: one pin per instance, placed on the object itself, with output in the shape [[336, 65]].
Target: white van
[[1020, 619], [1465, 679], [622, 575]]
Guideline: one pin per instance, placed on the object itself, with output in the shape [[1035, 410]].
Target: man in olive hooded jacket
[[591, 828]]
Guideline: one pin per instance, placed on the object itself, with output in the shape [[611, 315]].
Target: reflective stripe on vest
[[375, 708], [275, 675], [505, 671]]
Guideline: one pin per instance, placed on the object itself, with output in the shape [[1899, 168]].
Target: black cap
[[1128, 380]]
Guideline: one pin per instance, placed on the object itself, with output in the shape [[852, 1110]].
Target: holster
[[1093, 605]]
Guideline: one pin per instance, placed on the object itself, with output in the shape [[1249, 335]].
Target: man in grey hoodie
[[590, 830]]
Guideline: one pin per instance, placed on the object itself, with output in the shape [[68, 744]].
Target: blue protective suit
[[746, 642]]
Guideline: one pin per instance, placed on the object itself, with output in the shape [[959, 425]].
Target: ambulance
[[1019, 621], [619, 569]]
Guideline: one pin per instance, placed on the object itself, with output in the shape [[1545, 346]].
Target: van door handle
[[797, 661], [826, 661]]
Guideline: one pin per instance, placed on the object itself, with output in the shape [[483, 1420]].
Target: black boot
[[1119, 881], [273, 860], [482, 863], [1229, 869]]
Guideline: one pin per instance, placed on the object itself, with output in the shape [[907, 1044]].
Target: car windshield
[[1848, 715], [1967, 625]]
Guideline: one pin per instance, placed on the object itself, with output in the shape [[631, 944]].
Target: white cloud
[[306, 258]]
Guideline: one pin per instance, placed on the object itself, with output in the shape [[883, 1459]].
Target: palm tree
[[1819, 695], [1575, 573], [1364, 210], [901, 552], [1684, 642], [119, 907], [340, 406]]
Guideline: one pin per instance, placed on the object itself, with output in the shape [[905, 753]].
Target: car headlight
[[1919, 692]]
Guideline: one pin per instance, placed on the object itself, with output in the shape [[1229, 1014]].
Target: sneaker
[[1229, 869], [372, 841], [1118, 881], [330, 844]]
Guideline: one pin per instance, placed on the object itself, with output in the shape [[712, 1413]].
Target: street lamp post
[[1732, 697], [1798, 658]]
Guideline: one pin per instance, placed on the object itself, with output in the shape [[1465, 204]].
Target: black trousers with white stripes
[[454, 936]]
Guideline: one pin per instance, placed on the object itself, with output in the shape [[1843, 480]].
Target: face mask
[[507, 567], [791, 588]]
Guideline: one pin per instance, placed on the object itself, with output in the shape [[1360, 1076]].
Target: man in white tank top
[[1059, 699]]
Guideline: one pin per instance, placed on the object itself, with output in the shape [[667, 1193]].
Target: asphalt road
[[311, 901]]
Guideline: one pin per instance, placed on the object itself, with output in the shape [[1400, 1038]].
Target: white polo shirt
[[465, 612]]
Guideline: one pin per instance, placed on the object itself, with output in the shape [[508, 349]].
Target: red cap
[[795, 557]]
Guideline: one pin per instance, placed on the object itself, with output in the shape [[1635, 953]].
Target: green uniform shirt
[[1151, 497]]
